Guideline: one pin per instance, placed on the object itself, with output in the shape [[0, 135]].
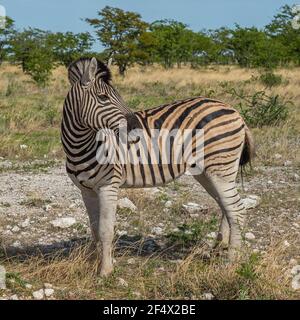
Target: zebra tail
[[248, 152]]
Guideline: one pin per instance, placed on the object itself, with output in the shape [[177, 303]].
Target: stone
[[296, 282], [131, 261], [49, 292], [287, 163], [211, 235], [157, 230], [122, 282], [15, 229], [38, 295], [295, 270], [286, 243], [293, 262], [63, 223], [192, 207], [25, 223], [47, 207], [121, 233], [249, 236], [277, 156], [208, 296], [251, 201], [296, 177], [127, 204], [168, 204]]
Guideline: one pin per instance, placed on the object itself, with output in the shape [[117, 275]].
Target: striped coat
[[93, 105]]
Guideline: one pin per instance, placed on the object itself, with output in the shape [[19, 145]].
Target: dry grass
[[31, 116], [154, 277]]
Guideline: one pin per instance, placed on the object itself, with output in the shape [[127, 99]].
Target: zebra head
[[98, 103]]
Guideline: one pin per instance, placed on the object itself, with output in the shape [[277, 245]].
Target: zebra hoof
[[221, 243], [105, 272]]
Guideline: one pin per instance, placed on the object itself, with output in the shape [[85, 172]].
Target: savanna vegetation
[[255, 70]]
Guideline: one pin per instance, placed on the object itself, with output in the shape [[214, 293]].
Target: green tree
[[67, 47], [32, 50], [168, 35], [5, 36], [251, 47], [281, 29], [119, 31]]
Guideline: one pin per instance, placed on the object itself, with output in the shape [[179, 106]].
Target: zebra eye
[[103, 98]]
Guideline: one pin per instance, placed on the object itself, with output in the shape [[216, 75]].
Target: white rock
[[293, 262], [192, 207], [14, 297], [211, 235], [28, 286], [286, 243], [63, 223], [122, 282], [269, 182], [157, 230], [47, 207], [277, 156], [126, 203], [15, 229], [49, 292], [208, 296], [295, 270], [136, 293], [287, 163], [249, 236], [48, 286], [23, 146], [38, 295], [296, 282], [251, 201], [25, 223], [17, 244], [296, 177], [194, 215], [121, 233], [131, 261], [168, 204]]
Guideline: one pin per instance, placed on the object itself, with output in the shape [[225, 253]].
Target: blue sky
[[65, 15]]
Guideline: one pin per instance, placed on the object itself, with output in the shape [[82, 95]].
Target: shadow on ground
[[131, 245]]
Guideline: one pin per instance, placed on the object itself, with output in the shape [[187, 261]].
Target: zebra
[[93, 104]]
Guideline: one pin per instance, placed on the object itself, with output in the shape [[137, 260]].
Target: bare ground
[[31, 199]]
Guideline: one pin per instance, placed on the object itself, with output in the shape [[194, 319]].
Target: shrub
[[270, 79], [260, 109]]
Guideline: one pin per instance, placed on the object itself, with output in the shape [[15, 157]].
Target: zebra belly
[[145, 176]]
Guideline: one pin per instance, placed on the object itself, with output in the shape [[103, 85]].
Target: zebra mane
[[77, 68]]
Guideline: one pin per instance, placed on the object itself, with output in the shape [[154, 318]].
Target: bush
[[269, 79], [260, 110]]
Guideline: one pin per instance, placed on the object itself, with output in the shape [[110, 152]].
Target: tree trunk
[[122, 69]]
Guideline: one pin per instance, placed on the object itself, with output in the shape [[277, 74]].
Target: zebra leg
[[108, 196], [223, 234], [91, 201], [226, 195]]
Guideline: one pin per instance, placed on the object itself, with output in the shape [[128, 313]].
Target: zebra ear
[[90, 72]]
